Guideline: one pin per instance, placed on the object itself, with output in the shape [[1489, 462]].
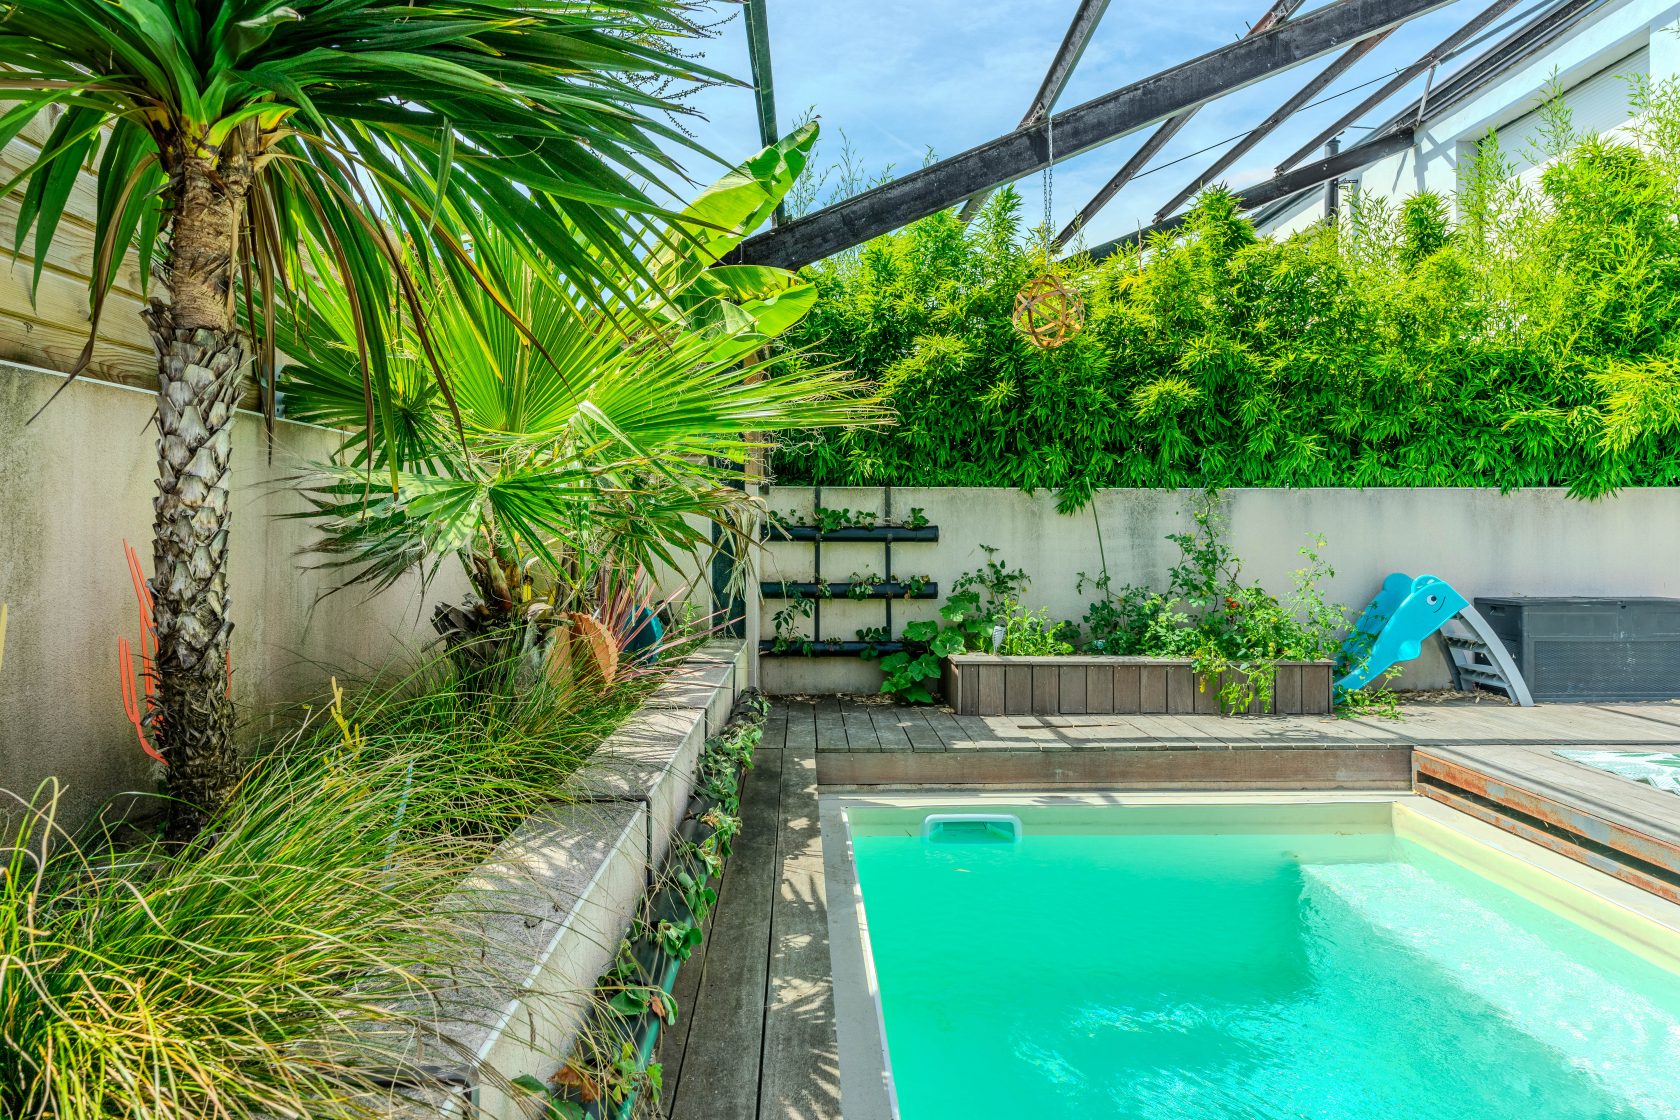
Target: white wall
[[1590, 65], [1528, 542], [73, 486]]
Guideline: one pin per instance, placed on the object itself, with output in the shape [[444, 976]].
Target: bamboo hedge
[[1522, 332]]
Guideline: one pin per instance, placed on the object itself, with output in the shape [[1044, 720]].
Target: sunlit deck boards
[[755, 1037], [864, 742]]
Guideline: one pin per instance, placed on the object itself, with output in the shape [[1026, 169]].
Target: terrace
[[830, 645]]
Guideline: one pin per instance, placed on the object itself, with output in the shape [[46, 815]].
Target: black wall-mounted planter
[[886, 589], [834, 647], [880, 534]]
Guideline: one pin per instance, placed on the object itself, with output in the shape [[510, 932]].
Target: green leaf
[[948, 642], [629, 1003], [921, 630], [743, 200]]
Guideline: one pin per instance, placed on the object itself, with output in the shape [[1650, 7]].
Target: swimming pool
[[1256, 962]]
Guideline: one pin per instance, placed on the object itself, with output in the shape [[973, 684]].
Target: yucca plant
[[238, 141], [579, 447]]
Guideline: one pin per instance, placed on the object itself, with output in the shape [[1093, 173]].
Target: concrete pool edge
[[1634, 919], [866, 1091]]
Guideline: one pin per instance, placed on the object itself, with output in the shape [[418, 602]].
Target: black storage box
[[1586, 649]]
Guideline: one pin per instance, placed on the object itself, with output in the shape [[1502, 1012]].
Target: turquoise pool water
[[1263, 976]]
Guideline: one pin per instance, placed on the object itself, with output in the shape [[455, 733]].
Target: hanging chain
[[1049, 190]]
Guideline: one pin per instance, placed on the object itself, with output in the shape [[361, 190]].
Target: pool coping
[[1635, 919]]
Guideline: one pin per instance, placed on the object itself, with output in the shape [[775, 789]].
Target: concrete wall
[[566, 886], [1528, 542], [73, 486]]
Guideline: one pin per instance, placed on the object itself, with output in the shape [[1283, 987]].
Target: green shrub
[[979, 601], [1208, 614], [1032, 633], [280, 964], [1534, 342]]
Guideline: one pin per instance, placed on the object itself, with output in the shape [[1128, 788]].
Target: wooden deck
[[862, 742], [863, 725], [755, 1035], [756, 1038]]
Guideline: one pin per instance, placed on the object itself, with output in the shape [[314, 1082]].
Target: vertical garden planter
[[983, 684]]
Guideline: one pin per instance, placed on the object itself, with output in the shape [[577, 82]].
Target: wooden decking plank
[[847, 724], [1122, 731], [1110, 730], [860, 729], [946, 724], [830, 728], [1335, 731], [1295, 731], [1024, 733], [800, 1075], [890, 725], [1660, 713], [1544, 724], [1559, 728], [775, 728], [1155, 727], [1455, 723], [1176, 730], [977, 734], [1568, 725], [801, 724], [924, 736], [1596, 724], [720, 1065], [1622, 801]]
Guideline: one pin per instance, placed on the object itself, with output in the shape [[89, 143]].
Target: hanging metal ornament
[[1047, 311]]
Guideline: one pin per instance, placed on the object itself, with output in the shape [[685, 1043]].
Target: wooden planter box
[[983, 684]]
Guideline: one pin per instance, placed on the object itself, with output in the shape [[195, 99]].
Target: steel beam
[[1067, 56], [1020, 153], [1284, 186], [1431, 57], [1525, 42], [1265, 128], [1518, 47], [1161, 137], [757, 20]]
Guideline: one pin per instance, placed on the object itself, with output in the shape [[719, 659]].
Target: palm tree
[[578, 450], [241, 143]]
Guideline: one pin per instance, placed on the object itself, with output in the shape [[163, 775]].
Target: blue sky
[[901, 76]]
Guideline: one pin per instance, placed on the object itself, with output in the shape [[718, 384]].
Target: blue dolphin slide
[[1393, 628]]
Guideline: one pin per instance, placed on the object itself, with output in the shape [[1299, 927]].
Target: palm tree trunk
[[201, 376]]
